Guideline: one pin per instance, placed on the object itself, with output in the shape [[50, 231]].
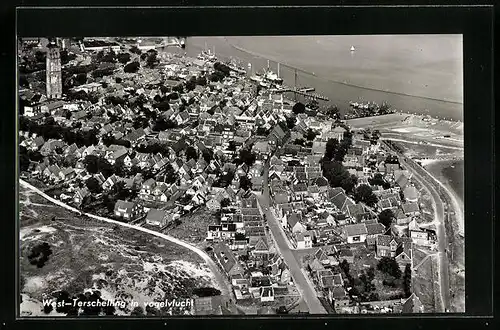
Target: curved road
[[304, 285], [422, 176], [211, 264]]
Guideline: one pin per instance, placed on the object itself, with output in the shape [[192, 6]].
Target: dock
[[306, 92]]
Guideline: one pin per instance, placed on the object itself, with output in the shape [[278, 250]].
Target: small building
[[157, 217], [411, 194], [227, 260], [81, 195], [266, 294], [127, 210], [339, 297], [304, 240], [347, 255], [355, 233], [373, 230]]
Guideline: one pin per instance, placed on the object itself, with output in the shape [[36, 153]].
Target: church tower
[[54, 79]]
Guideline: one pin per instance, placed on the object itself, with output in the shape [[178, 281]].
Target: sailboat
[[352, 48]]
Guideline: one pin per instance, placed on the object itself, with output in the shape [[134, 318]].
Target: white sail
[[352, 48]]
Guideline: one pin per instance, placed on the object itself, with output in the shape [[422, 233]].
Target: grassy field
[[88, 254], [425, 280]]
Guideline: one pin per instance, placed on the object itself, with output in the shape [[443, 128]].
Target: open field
[[122, 263], [425, 280]]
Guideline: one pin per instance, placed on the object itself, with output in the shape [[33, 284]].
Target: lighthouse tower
[[53, 72]]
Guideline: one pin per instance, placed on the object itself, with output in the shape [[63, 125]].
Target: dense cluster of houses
[[312, 213], [220, 119], [226, 113], [243, 249]]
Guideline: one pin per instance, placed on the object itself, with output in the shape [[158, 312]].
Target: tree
[[119, 167], [206, 292], [134, 49], [191, 153], [40, 56], [348, 183], [132, 67], [374, 297], [290, 122], [386, 217], [245, 183], [299, 142], [332, 111], [298, 108], [40, 254], [378, 180], [331, 148], [208, 155], [151, 60], [93, 185], [231, 146], [225, 202], [247, 157], [338, 176], [370, 274], [91, 164], [310, 135], [364, 193], [407, 281], [384, 108], [344, 265], [389, 266], [202, 81], [123, 58]]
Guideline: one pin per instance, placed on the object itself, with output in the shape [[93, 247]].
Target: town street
[[305, 287], [422, 177], [220, 278]]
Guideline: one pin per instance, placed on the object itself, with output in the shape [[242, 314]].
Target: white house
[[355, 233]]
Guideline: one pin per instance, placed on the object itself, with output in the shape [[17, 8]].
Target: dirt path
[[220, 279]]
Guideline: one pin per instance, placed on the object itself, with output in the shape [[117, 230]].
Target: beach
[[416, 74], [451, 173]]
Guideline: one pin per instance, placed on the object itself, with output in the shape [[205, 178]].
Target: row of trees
[[49, 130], [338, 176]]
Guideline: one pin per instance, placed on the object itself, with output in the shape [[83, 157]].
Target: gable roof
[[355, 229], [410, 207], [374, 228], [156, 215], [293, 218], [225, 256]]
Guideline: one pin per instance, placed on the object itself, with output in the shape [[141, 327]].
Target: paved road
[[220, 278], [305, 287], [423, 177]]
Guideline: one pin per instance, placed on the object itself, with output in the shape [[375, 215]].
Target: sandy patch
[[410, 130], [43, 229], [34, 284]]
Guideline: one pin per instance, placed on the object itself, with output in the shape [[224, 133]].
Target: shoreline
[[272, 58], [448, 175], [339, 93]]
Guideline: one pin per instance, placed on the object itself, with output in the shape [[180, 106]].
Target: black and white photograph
[[240, 175]]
